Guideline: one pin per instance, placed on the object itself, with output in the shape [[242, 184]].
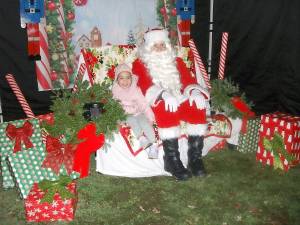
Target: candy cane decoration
[[61, 20], [21, 99], [42, 67], [199, 63], [79, 77], [223, 55]]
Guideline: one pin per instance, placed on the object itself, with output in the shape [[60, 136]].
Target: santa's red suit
[[175, 96], [168, 122]]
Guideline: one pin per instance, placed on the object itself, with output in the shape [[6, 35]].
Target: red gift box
[[289, 128], [58, 210]]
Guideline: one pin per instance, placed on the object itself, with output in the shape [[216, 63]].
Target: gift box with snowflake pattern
[[58, 210]]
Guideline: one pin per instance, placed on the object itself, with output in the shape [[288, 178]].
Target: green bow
[[276, 146], [57, 186]]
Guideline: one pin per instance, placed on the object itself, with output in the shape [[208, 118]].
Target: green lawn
[[237, 191]]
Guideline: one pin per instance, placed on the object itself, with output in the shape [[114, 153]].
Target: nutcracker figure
[[31, 12], [185, 16]]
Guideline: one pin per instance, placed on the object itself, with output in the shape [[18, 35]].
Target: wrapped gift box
[[30, 130], [289, 128], [249, 140], [27, 169], [58, 210]]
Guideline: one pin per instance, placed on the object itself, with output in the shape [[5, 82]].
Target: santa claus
[[175, 97]]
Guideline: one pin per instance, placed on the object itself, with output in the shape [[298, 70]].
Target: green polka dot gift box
[[16, 137], [27, 169], [248, 141]]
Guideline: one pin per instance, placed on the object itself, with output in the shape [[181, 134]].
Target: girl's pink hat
[[122, 68]]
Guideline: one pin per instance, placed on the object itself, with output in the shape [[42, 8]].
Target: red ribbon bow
[[92, 142], [58, 154], [240, 105], [20, 134]]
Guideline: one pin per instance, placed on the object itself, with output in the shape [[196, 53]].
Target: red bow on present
[[91, 143], [58, 154], [20, 134], [240, 105]]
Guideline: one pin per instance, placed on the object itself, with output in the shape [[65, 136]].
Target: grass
[[237, 190]]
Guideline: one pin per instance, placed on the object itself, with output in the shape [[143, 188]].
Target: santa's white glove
[[198, 98], [171, 103]]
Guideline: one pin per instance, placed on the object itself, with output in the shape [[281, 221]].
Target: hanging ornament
[[71, 16], [80, 2], [51, 6], [173, 12], [163, 11], [49, 28], [53, 75], [172, 33], [55, 57]]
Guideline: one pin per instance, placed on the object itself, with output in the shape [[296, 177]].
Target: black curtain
[[263, 48], [14, 60]]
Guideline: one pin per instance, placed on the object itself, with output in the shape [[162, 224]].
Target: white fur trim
[[189, 88], [152, 94], [168, 133], [196, 129], [156, 36]]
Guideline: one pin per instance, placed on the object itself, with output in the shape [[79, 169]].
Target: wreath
[[226, 97], [69, 110]]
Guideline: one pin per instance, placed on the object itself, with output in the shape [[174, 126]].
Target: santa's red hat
[[156, 35]]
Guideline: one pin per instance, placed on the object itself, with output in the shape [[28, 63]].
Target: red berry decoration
[[71, 16], [173, 12], [53, 75], [80, 2], [51, 6], [163, 11]]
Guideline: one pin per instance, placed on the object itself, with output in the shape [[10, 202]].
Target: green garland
[[68, 111], [221, 93], [55, 40], [172, 23]]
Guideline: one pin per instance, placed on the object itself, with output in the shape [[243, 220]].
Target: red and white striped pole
[[79, 76], [20, 97], [223, 55], [42, 67], [64, 62], [200, 63]]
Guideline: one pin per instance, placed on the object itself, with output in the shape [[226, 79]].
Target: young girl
[[140, 116]]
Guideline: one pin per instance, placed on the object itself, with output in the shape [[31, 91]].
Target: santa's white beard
[[163, 70]]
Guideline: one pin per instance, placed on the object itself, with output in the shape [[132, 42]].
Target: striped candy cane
[[64, 62], [79, 76], [21, 99], [199, 63], [223, 55], [42, 67]]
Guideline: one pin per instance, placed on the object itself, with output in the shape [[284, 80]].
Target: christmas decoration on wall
[[31, 13], [131, 40], [60, 16], [80, 2], [185, 10], [166, 15]]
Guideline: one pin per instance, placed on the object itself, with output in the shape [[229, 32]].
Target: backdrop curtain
[[263, 48]]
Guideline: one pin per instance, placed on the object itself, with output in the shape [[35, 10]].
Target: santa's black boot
[[195, 163], [172, 160]]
